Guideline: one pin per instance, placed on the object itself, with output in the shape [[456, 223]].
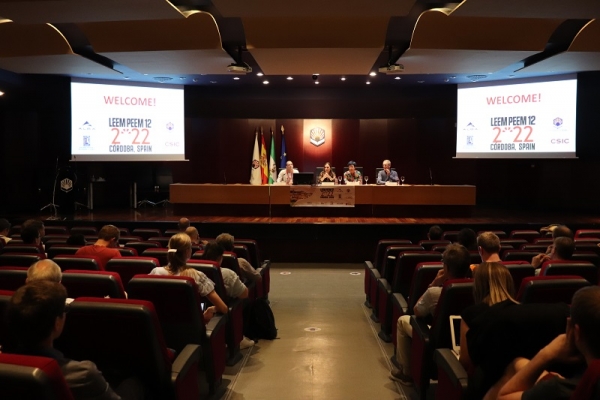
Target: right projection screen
[[533, 118]]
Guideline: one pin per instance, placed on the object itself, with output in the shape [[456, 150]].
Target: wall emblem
[[317, 136], [66, 185]]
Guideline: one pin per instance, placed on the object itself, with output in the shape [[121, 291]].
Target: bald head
[[44, 270], [183, 224]]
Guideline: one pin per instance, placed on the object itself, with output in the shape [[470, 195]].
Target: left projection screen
[[126, 122]]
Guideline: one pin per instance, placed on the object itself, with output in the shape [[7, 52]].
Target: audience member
[[387, 174], [225, 240], [456, 265], [36, 314], [488, 244], [45, 270], [183, 224], [435, 233], [195, 236], [468, 238], [76, 239], [180, 251], [352, 175], [4, 230], [233, 285], [105, 248], [531, 379], [287, 175], [36, 224], [562, 250], [30, 235]]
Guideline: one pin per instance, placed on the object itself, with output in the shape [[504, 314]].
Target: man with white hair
[[387, 174]]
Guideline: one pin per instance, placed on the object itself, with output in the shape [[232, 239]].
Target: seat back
[[213, 271], [586, 256], [519, 255], [146, 233], [18, 259], [519, 270], [123, 240], [160, 253], [424, 273], [475, 257], [163, 241], [241, 251], [584, 269], [545, 241], [526, 234], [140, 247], [540, 248], [382, 245], [124, 339], [457, 294], [61, 249], [588, 387], [230, 261], [406, 264], [501, 234], [128, 252], [128, 267], [32, 378], [429, 244], [6, 340], [450, 235], [583, 233], [56, 230], [255, 258], [82, 283], [20, 248], [584, 246], [12, 278], [85, 230], [89, 263], [550, 289]]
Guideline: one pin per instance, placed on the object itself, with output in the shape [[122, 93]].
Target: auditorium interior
[[385, 74]]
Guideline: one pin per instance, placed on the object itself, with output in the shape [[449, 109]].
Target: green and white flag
[[272, 166]]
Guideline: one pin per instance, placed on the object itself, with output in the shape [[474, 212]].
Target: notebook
[[455, 321]]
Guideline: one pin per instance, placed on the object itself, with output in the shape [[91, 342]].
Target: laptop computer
[[304, 178], [455, 321]]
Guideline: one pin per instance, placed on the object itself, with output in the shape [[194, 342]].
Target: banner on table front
[[322, 196]]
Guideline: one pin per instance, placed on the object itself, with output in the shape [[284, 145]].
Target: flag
[[283, 153], [272, 166], [255, 168], [264, 167]]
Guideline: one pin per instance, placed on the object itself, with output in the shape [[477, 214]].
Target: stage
[[326, 239]]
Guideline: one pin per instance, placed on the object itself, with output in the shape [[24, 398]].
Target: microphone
[[430, 176]]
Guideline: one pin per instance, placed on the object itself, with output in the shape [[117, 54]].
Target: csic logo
[[317, 136], [86, 141], [66, 185], [170, 126], [172, 144], [86, 127], [560, 141]]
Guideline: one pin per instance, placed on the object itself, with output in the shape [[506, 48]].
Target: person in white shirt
[[287, 175]]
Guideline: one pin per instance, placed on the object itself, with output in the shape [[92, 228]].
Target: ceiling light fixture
[[397, 78], [265, 82], [1, 93], [343, 78], [316, 82], [289, 78], [373, 73], [368, 83], [259, 74], [162, 79], [236, 78]]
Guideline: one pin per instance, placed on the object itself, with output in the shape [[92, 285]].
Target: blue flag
[[283, 153]]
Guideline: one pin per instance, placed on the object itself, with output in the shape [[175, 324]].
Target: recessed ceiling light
[[265, 82], [368, 83], [259, 74], [373, 73], [213, 81], [196, 79], [452, 77], [316, 82], [182, 78], [236, 78], [397, 78], [316, 74], [1, 93], [421, 81], [289, 78], [343, 78], [125, 77]]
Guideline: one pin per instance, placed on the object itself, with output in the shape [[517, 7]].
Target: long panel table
[[370, 200]]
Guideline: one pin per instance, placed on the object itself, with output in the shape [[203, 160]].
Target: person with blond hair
[[180, 251], [46, 270], [225, 240], [195, 236]]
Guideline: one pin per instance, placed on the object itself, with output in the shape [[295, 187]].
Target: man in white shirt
[[287, 175]]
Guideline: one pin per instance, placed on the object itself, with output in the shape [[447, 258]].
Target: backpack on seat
[[259, 321]]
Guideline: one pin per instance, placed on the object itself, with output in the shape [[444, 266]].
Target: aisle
[[339, 358]]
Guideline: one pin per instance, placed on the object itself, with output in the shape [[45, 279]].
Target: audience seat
[[400, 281], [56, 230], [475, 257], [177, 305], [128, 267], [124, 338], [586, 256], [89, 263], [85, 230], [545, 241], [235, 322], [241, 251], [587, 247], [140, 247], [519, 255], [5, 338], [430, 244], [540, 248], [123, 240], [160, 253], [583, 233], [146, 233], [550, 289], [587, 240], [455, 297], [20, 248], [55, 242], [83, 283], [516, 243], [584, 269], [32, 378], [527, 234], [123, 231], [171, 232], [501, 234], [128, 252], [424, 274], [450, 235], [452, 378], [54, 236], [60, 250], [519, 270], [588, 388], [19, 260], [163, 241], [12, 278], [373, 268]]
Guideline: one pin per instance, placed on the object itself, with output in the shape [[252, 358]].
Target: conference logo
[[66, 185], [170, 126], [470, 141], [86, 127], [86, 141], [317, 136]]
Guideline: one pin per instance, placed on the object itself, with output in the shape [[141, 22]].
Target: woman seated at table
[[327, 175], [352, 175]]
